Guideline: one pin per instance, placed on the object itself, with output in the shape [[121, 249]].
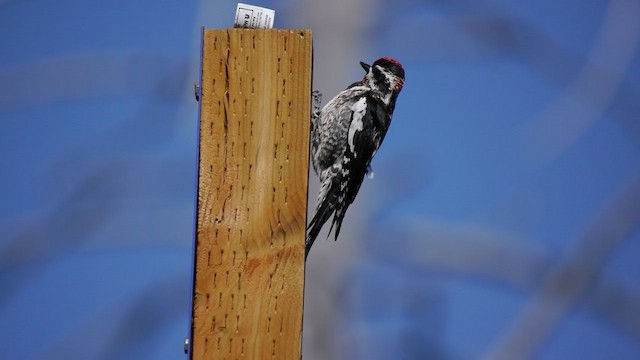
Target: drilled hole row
[[240, 254], [229, 341]]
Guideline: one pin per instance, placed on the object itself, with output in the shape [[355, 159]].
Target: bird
[[345, 136]]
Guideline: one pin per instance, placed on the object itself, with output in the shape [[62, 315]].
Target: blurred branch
[[72, 221], [617, 305], [593, 90], [499, 257], [100, 185], [597, 85], [149, 314], [85, 75], [70, 224], [117, 331], [572, 279], [468, 251]]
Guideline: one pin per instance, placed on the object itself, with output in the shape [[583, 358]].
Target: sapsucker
[[345, 136]]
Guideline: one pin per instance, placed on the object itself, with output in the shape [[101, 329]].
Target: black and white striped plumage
[[345, 136]]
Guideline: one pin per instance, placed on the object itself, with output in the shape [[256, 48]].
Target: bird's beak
[[366, 67]]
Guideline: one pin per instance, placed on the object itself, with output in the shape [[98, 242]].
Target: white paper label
[[254, 17]]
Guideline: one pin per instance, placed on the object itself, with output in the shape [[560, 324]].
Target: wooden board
[[252, 194]]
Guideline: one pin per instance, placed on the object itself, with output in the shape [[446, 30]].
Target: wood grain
[[252, 194]]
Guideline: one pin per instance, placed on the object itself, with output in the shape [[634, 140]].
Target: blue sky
[[513, 146]]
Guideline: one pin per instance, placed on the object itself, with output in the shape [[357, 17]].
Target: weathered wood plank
[[252, 194]]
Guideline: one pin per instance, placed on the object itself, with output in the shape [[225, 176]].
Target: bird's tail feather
[[324, 211]]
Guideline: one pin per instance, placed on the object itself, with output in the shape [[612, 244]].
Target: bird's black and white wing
[[342, 158]]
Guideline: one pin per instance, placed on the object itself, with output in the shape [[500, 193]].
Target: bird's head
[[385, 75]]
